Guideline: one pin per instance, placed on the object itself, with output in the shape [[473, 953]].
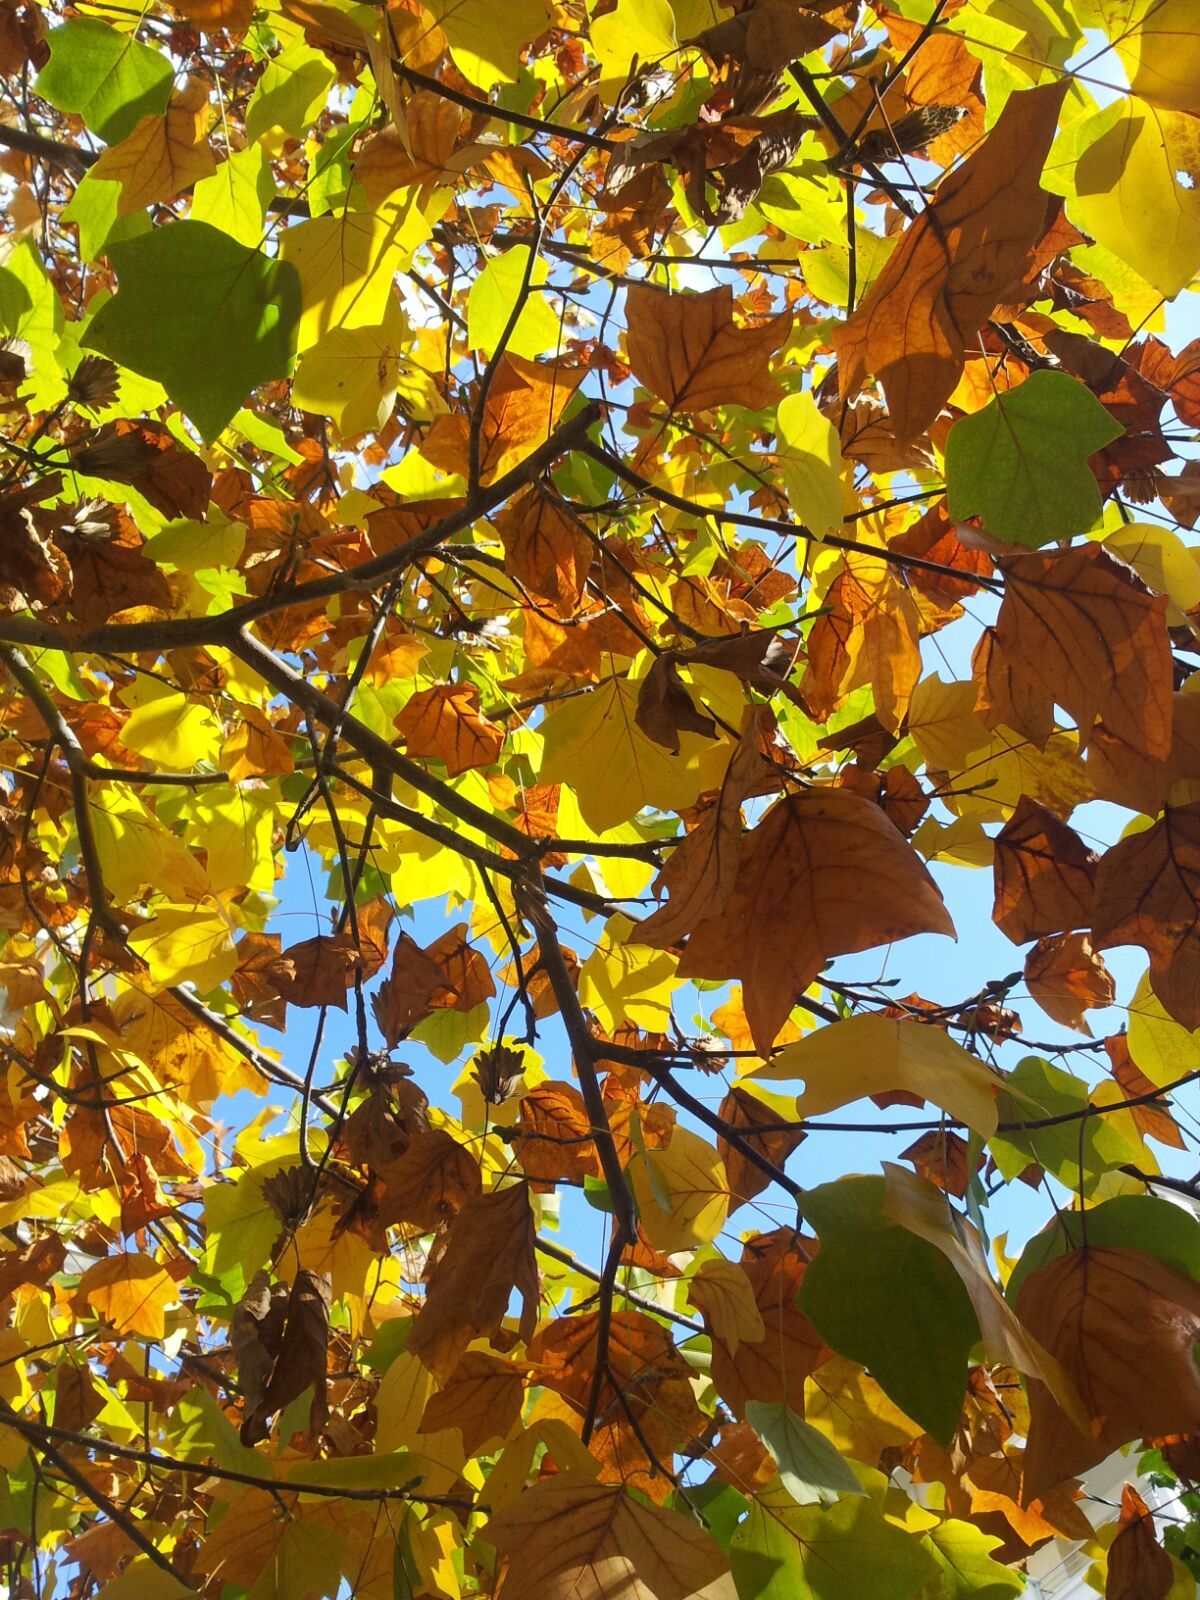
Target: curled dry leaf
[[486, 1253], [1068, 978]]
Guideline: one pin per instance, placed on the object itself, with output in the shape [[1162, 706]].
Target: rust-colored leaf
[[774, 1367], [746, 1112], [554, 1137], [1079, 625], [1044, 875], [1148, 893], [445, 722], [1067, 978], [486, 1254], [430, 1182], [1138, 1566], [546, 548], [955, 263], [824, 874]]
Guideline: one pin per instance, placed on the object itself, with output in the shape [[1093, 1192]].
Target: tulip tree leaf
[[105, 77], [185, 289], [1021, 464]]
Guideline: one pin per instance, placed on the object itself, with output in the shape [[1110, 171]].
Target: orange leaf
[[131, 1293], [953, 266], [523, 406], [554, 1137], [1148, 893], [545, 548], [1079, 625], [430, 1183], [445, 722], [745, 1112], [1124, 1325], [687, 349], [824, 874], [774, 1367]]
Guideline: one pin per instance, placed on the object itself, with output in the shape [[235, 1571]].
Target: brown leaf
[[1148, 893], [554, 1137], [430, 1183], [449, 976], [445, 722], [110, 573], [1079, 625], [952, 267], [482, 1397], [301, 1362], [1124, 1326], [36, 1264], [687, 349], [1140, 782], [77, 1401], [1044, 875], [146, 455], [1067, 977], [567, 1538], [824, 874], [255, 981], [546, 548], [746, 1112], [488, 1251], [1007, 698], [942, 1157], [318, 971], [665, 709], [1138, 1566], [701, 872]]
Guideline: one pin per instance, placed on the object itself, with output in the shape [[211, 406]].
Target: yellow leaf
[[172, 733], [136, 852], [486, 38], [691, 1176], [182, 943], [353, 374], [723, 1292], [870, 1054], [1128, 195], [131, 1293], [593, 743], [1159, 43], [852, 1411], [347, 264], [810, 460], [1162, 561], [1161, 1047], [623, 982], [640, 31]]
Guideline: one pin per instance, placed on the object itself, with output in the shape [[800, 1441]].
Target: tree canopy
[[616, 514]]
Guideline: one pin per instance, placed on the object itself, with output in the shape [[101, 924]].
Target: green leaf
[[105, 77], [1036, 1089], [889, 1300], [1020, 464], [290, 93], [810, 1468], [1127, 1221], [187, 290], [968, 1571], [392, 1470], [783, 1551]]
